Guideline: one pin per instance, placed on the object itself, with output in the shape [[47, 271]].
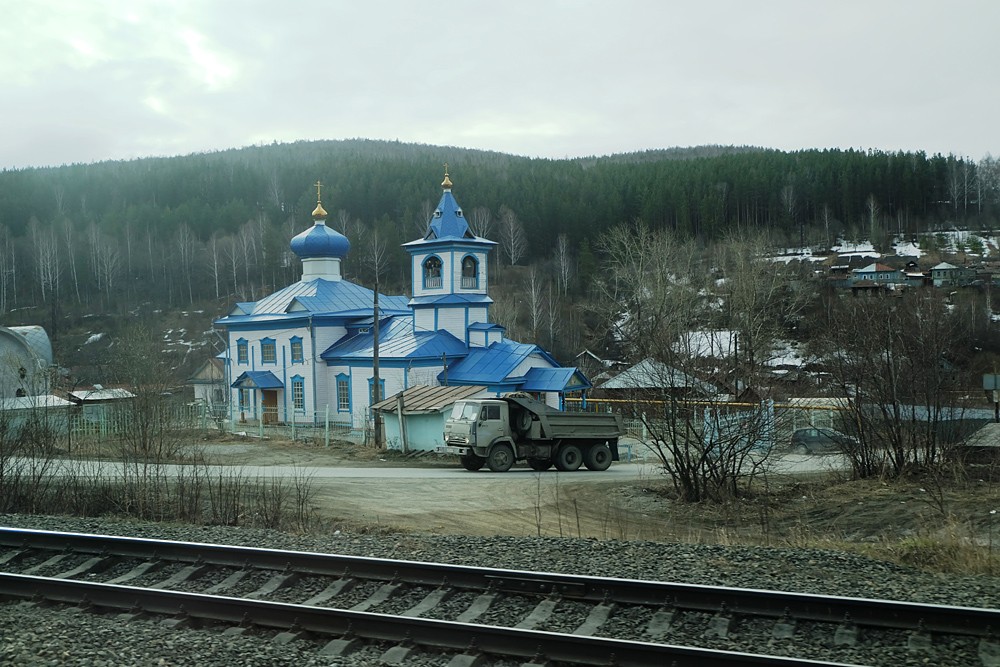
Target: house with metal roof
[[309, 352]]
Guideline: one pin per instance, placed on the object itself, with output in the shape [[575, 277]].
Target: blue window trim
[[423, 271], [299, 382], [296, 358], [381, 389], [242, 351], [265, 343], [475, 274], [346, 379]]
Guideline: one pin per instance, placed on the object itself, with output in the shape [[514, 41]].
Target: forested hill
[[174, 231]]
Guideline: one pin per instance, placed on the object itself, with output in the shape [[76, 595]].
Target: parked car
[[817, 440]]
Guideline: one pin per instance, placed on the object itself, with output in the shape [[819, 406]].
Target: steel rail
[[428, 633], [971, 621]]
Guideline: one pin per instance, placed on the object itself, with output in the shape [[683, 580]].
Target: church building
[[309, 352]]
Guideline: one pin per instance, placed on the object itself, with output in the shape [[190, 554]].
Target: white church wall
[[531, 361], [423, 320], [453, 321]]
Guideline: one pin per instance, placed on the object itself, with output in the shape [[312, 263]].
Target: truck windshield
[[466, 411]]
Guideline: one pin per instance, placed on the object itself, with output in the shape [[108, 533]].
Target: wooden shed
[[414, 418]]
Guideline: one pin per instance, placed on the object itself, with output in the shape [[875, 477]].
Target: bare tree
[[46, 254], [186, 253], [564, 263], [109, 266], [215, 267], [513, 242], [69, 237], [533, 291], [892, 369], [7, 269], [654, 296], [481, 222]]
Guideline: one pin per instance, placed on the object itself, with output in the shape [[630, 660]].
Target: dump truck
[[497, 432]]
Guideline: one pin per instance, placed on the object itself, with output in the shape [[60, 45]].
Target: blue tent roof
[[554, 379], [493, 364], [448, 222], [397, 340], [257, 380]]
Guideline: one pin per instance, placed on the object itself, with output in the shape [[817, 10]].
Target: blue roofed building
[[309, 350]]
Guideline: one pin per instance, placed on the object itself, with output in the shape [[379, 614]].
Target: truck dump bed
[[557, 424]]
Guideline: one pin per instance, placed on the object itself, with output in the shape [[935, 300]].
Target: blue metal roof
[[486, 326], [397, 340], [446, 299], [554, 379], [317, 296], [257, 380], [490, 365]]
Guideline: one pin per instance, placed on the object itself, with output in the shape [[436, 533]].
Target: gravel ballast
[[32, 635]]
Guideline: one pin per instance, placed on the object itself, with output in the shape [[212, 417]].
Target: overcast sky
[[91, 80]]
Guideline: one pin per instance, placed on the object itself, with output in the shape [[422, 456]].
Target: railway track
[[473, 615]]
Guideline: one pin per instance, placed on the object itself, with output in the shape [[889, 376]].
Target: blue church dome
[[320, 241]]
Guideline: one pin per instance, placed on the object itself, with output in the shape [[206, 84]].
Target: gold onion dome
[[446, 183]]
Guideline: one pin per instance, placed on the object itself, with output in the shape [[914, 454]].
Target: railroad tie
[[659, 624], [538, 615], [467, 660], [477, 608], [598, 615], [847, 633], [138, 571], [397, 654], [275, 583], [227, 583], [13, 556], [377, 598], [784, 627], [989, 652], [183, 575], [432, 600], [55, 560], [93, 564], [334, 589], [340, 647]]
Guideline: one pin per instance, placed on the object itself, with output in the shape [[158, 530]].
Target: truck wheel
[[541, 465], [598, 457], [501, 458], [568, 458], [472, 462]]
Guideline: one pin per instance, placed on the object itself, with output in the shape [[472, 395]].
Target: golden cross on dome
[[319, 187], [446, 183]]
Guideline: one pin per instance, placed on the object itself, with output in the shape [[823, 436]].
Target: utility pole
[[376, 389]]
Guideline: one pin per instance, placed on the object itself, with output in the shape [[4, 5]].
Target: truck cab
[[473, 427]]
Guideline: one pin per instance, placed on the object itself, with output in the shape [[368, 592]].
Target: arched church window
[[432, 272], [470, 272]]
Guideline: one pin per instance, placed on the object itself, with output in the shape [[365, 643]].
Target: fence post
[[326, 426], [293, 428]]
